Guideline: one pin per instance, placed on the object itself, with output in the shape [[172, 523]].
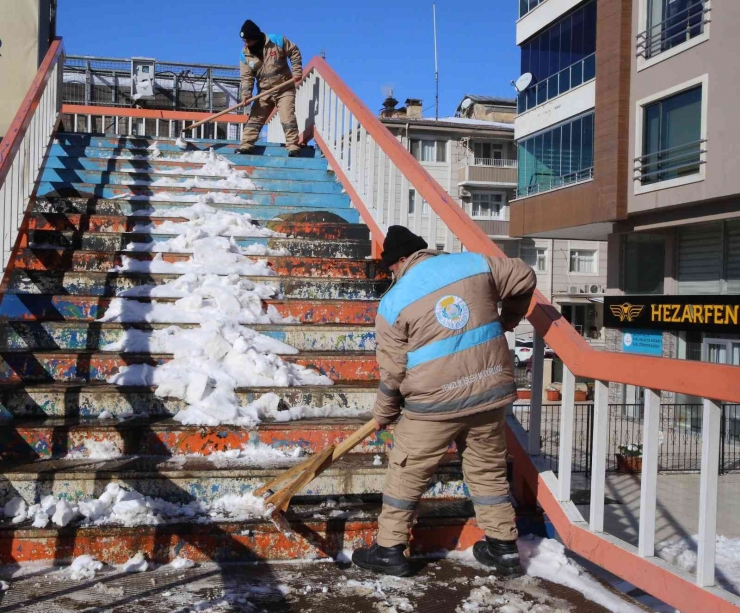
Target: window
[[709, 258], [487, 205], [412, 203], [536, 257], [487, 153], [558, 157], [429, 150], [670, 23], [560, 58], [643, 263], [527, 5], [440, 246], [671, 138], [583, 261]]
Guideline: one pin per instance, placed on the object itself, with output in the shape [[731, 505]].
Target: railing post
[[511, 342], [88, 84], [710, 431], [649, 480], [535, 406], [598, 460], [565, 452]]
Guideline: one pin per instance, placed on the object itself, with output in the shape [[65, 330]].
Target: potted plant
[[524, 393], [629, 459], [581, 392], [553, 392]]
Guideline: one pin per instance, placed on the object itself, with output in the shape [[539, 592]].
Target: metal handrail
[[545, 83], [86, 58], [671, 163], [493, 162], [572, 178], [24, 147], [646, 41], [662, 151]]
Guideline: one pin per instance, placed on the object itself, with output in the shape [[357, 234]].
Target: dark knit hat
[[400, 242], [250, 30]]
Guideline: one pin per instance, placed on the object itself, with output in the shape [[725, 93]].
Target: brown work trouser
[[418, 448], [261, 109]]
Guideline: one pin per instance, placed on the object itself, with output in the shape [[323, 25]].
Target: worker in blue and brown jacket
[[264, 60], [445, 368]]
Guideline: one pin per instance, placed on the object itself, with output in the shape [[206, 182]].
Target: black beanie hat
[[250, 30], [400, 242]]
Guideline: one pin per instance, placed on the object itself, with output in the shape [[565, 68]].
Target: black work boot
[[386, 560], [294, 153], [503, 556], [244, 151]]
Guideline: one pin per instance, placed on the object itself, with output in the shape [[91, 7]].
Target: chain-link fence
[[182, 87]]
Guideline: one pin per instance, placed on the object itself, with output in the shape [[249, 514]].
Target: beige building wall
[[712, 57], [22, 24]]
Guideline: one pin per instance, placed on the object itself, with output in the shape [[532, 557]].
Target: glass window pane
[[547, 157], [555, 49], [441, 151], [564, 77], [589, 28], [577, 37], [576, 74], [544, 70], [566, 58], [587, 142], [427, 150], [556, 153], [523, 7], [412, 201], [589, 68], [566, 157], [416, 148], [576, 145], [542, 92], [644, 263]]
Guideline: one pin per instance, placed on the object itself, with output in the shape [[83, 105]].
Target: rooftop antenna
[[436, 64]]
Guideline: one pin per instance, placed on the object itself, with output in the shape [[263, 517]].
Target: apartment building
[[473, 156], [657, 172]]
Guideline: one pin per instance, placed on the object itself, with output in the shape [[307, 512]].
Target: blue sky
[[372, 45]]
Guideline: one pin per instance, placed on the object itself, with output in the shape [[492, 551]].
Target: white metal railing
[[23, 150], [494, 162], [112, 121], [561, 484]]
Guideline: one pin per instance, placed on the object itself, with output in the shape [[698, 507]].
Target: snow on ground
[[216, 172], [120, 506], [206, 198], [96, 450], [683, 553], [546, 559], [84, 567]]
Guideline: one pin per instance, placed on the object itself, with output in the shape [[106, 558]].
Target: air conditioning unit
[[464, 193], [573, 289], [591, 288]]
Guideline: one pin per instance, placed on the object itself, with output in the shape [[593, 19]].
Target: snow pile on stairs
[[217, 172], [120, 506], [212, 361]]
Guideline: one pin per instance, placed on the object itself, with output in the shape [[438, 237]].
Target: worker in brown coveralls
[[265, 60], [445, 362]]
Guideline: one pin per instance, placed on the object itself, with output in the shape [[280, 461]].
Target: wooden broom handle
[[353, 440], [237, 106]]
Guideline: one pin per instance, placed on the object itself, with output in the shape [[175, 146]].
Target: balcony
[[488, 172], [675, 30], [548, 184], [567, 79], [493, 227]]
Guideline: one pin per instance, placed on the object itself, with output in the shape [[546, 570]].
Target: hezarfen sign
[[700, 313]]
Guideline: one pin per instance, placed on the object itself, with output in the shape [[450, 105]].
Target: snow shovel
[[277, 501], [183, 144]]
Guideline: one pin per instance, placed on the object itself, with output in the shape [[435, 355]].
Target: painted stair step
[[90, 400], [262, 212], [173, 168], [80, 366], [149, 181], [105, 261], [113, 283], [271, 159], [170, 144], [118, 223], [281, 197], [39, 336], [38, 307], [106, 241], [184, 480], [162, 436], [320, 531]]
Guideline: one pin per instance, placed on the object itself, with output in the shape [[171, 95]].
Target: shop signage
[[700, 313], [645, 342]]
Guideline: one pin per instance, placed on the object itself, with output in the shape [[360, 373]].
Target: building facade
[[664, 182], [473, 156]]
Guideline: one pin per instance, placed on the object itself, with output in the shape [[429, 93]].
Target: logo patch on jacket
[[452, 312]]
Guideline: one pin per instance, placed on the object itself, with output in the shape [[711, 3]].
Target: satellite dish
[[523, 82], [466, 104]]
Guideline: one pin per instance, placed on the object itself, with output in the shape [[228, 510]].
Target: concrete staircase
[[53, 370]]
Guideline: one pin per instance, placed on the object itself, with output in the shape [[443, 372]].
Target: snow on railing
[[379, 175], [25, 144]]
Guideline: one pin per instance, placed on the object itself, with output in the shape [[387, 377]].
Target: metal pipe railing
[[23, 150]]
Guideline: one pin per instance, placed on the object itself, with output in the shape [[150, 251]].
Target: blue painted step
[[272, 159], [142, 193], [57, 175], [171, 168]]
